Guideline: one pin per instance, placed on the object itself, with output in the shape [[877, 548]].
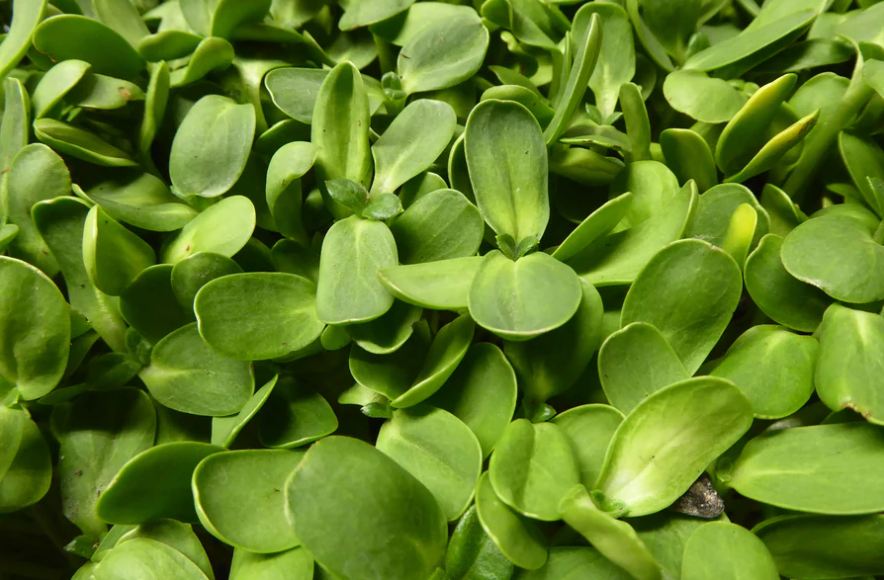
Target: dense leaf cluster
[[397, 290]]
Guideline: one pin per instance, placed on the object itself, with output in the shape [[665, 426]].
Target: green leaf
[[122, 17], [448, 348], [729, 552], [36, 329], [28, 14], [616, 540], [105, 93], [619, 257], [776, 148], [616, 59], [553, 362], [391, 375], [701, 97], [15, 131], [150, 306], [665, 534], [12, 427], [137, 496], [667, 441], [141, 200], [808, 546], [758, 43], [259, 315], [388, 333], [55, 84], [589, 429], [345, 521], [505, 295], [295, 91], [689, 157], [649, 40], [361, 247], [340, 131], [441, 225], [60, 222], [382, 206], [71, 36], [599, 223], [636, 362], [230, 14], [849, 358], [283, 190], [507, 161], [8, 232], [113, 255], [572, 563], [174, 534], [716, 209], [588, 45], [296, 416], [29, 473], [773, 367], [225, 429], [349, 194], [518, 537], [419, 186], [99, 433], [155, 101], [532, 468], [337, 337], [472, 555], [739, 233], [712, 279], [37, 173], [412, 142], [531, 100], [168, 45], [191, 274], [139, 557], [81, 144], [359, 13], [210, 55], [653, 186], [429, 63], [482, 393], [240, 498], [223, 228], [443, 285], [828, 456], [635, 116], [744, 135], [211, 147], [186, 375], [355, 46], [294, 258], [439, 450], [864, 160], [296, 564], [673, 23], [784, 299], [836, 252]]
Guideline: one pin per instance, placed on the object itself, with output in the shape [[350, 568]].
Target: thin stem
[[386, 58], [857, 95]]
